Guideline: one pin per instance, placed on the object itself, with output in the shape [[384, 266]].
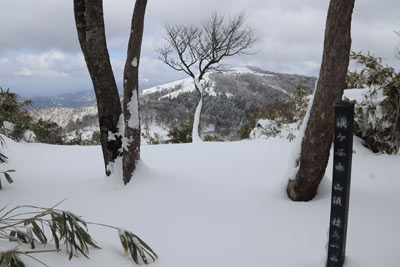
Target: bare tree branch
[[200, 49]]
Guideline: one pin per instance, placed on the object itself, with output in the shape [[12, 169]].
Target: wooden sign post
[[343, 149]]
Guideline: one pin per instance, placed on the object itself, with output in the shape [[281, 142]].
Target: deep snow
[[209, 204]]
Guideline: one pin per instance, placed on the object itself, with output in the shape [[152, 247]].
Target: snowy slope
[[64, 115], [175, 88], [230, 96], [210, 204]]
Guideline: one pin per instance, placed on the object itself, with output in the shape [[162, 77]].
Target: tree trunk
[[318, 137], [196, 121], [131, 147], [90, 26]]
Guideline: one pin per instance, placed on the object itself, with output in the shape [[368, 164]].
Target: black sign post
[[343, 149]]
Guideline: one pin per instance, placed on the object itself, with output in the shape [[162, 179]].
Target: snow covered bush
[[3, 159], [276, 124], [151, 138], [47, 132], [17, 124], [181, 133], [252, 115], [15, 120], [213, 138], [377, 109], [301, 101]]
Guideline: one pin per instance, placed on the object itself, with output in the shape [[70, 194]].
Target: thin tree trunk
[[131, 92], [90, 26], [319, 132], [196, 121]]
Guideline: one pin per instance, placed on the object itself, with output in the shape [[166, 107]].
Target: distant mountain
[[231, 99], [74, 99]]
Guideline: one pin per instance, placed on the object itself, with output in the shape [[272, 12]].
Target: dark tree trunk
[[131, 92], [318, 137], [90, 26]]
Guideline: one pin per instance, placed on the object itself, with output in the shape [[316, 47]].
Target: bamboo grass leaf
[[55, 238], [10, 259], [65, 227], [137, 247], [8, 178], [134, 255], [38, 232], [147, 247], [31, 240], [123, 240]]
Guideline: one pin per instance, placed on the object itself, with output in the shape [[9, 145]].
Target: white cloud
[[54, 64], [41, 73], [40, 39]]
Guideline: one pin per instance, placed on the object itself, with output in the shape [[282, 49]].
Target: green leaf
[[136, 247], [8, 177], [38, 232], [55, 237], [7, 258], [123, 240], [152, 254], [76, 218], [134, 253], [11, 259]]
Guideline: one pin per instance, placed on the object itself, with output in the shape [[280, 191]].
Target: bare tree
[[197, 50], [119, 134], [318, 137]]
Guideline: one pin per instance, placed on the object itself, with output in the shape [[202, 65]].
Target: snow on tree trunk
[[318, 137], [196, 122], [295, 154], [131, 141], [91, 34]]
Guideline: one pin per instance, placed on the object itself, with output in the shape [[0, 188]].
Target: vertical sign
[[343, 149]]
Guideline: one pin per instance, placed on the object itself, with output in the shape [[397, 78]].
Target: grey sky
[[40, 54]]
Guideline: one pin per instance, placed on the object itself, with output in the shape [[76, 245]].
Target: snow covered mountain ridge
[[178, 87], [230, 98]]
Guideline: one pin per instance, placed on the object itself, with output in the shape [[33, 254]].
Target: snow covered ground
[[209, 204], [175, 88]]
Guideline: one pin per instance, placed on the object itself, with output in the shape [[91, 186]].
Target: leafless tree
[[115, 141], [318, 136], [197, 50]]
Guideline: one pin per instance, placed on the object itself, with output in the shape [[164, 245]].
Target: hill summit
[[232, 98]]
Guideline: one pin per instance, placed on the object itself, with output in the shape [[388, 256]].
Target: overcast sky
[[40, 53]]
